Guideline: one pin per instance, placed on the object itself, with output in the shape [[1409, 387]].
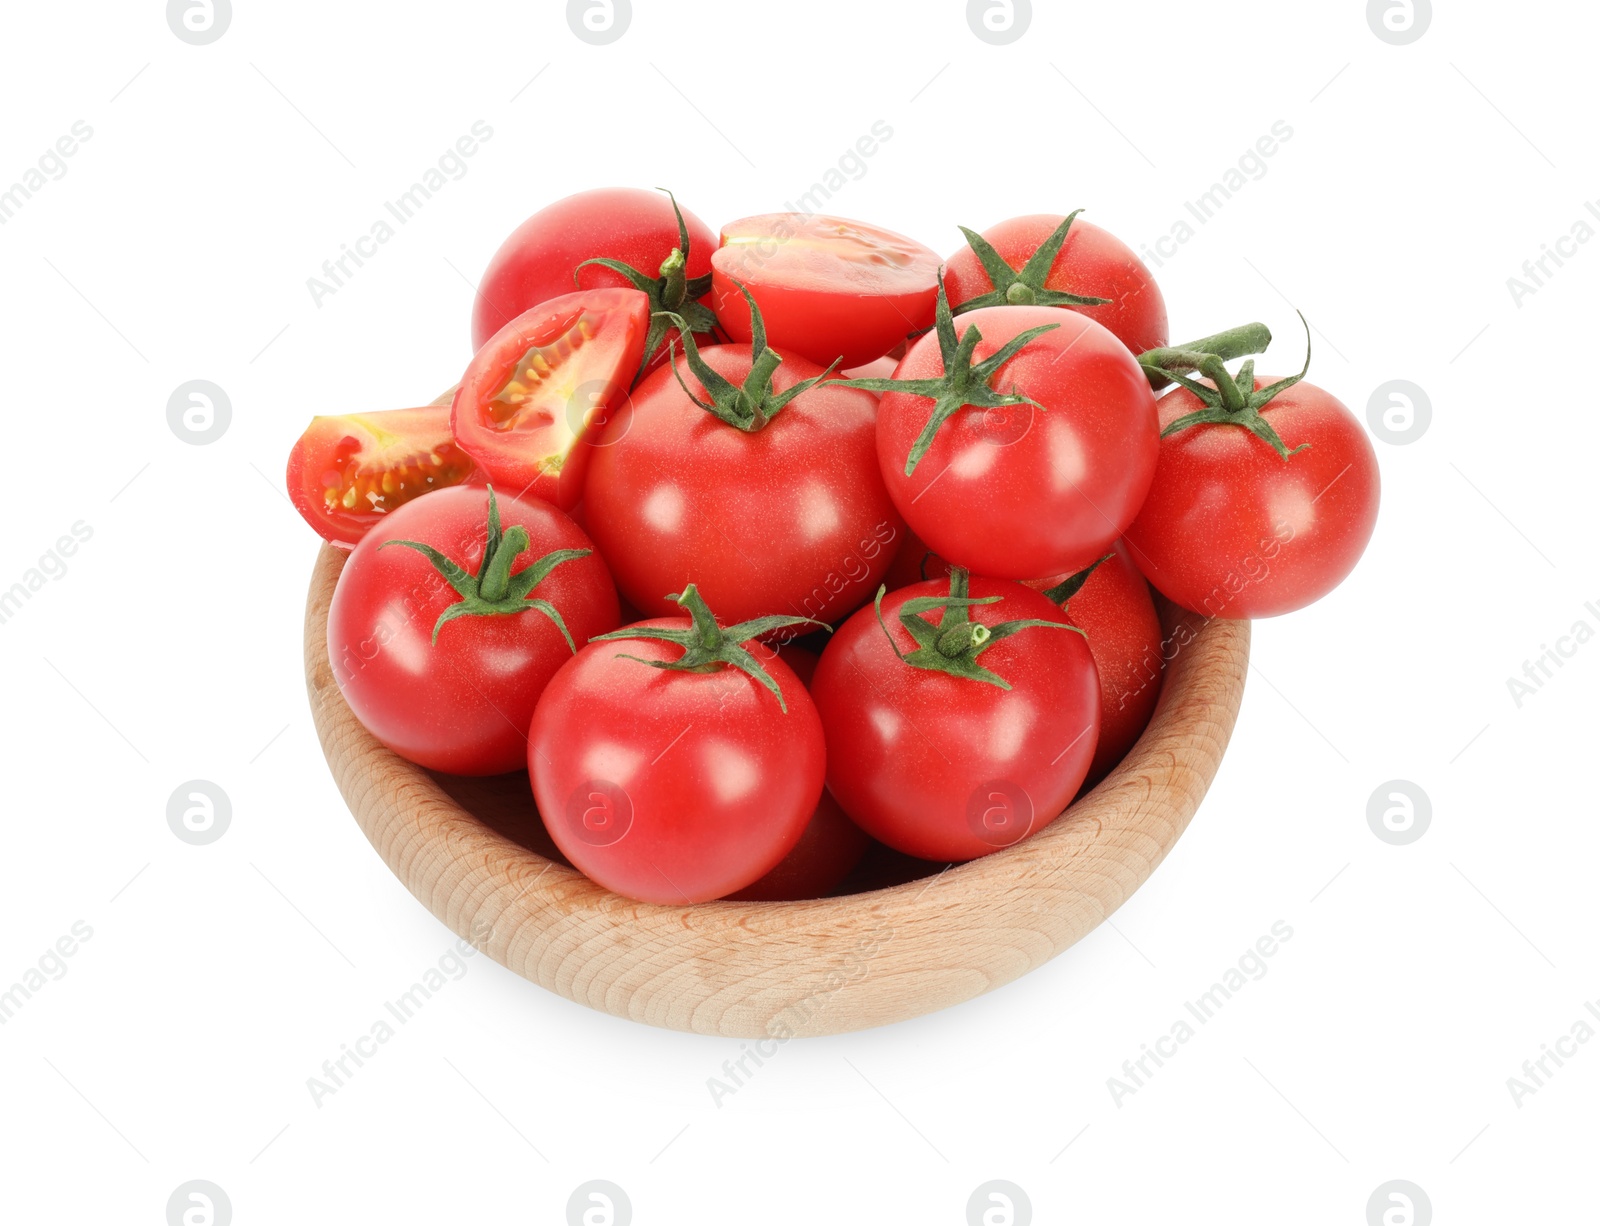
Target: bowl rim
[[758, 970]]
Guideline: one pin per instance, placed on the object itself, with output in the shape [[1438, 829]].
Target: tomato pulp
[[829, 288], [535, 393]]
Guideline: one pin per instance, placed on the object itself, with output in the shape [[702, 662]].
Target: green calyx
[[708, 646], [674, 296], [965, 384], [1160, 364], [753, 405], [1070, 586], [1233, 399], [1024, 286], [954, 645], [494, 591]]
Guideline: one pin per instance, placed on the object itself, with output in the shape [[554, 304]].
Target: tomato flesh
[[534, 392], [346, 473], [827, 287]]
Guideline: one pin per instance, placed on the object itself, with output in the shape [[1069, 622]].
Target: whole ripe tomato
[[1050, 260], [347, 473], [1024, 455], [1258, 509], [441, 644], [670, 765], [749, 478], [535, 394], [1113, 608], [829, 289], [966, 736], [665, 251], [832, 844]]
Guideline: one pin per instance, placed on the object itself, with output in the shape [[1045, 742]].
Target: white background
[[177, 246]]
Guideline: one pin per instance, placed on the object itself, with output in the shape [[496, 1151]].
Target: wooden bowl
[[465, 848]]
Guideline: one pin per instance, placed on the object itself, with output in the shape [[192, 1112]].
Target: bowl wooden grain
[[465, 848]]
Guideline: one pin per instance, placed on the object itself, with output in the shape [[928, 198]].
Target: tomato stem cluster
[[752, 405], [1233, 399], [674, 296], [964, 383], [1024, 286], [494, 590], [954, 645], [1234, 343], [708, 646]]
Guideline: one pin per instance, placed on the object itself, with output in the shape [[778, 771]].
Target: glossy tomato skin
[[1023, 492], [1118, 617], [1092, 262], [1232, 530], [790, 519], [537, 261], [827, 287], [461, 705], [347, 472], [831, 845], [534, 396], [673, 787], [949, 768]]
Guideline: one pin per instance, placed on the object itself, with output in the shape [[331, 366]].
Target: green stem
[[1233, 343], [496, 580], [674, 281]]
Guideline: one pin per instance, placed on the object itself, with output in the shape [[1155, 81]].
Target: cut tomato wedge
[[537, 390], [346, 473], [827, 287]]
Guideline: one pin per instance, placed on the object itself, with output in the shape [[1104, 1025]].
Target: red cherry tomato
[[460, 700], [832, 844], [673, 787], [791, 518], [1114, 610], [537, 261], [1091, 262], [829, 848], [536, 391], [949, 767], [1231, 529], [1017, 492], [828, 288], [347, 473]]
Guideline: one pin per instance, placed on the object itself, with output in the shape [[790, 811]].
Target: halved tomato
[[827, 287], [529, 400], [346, 473]]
